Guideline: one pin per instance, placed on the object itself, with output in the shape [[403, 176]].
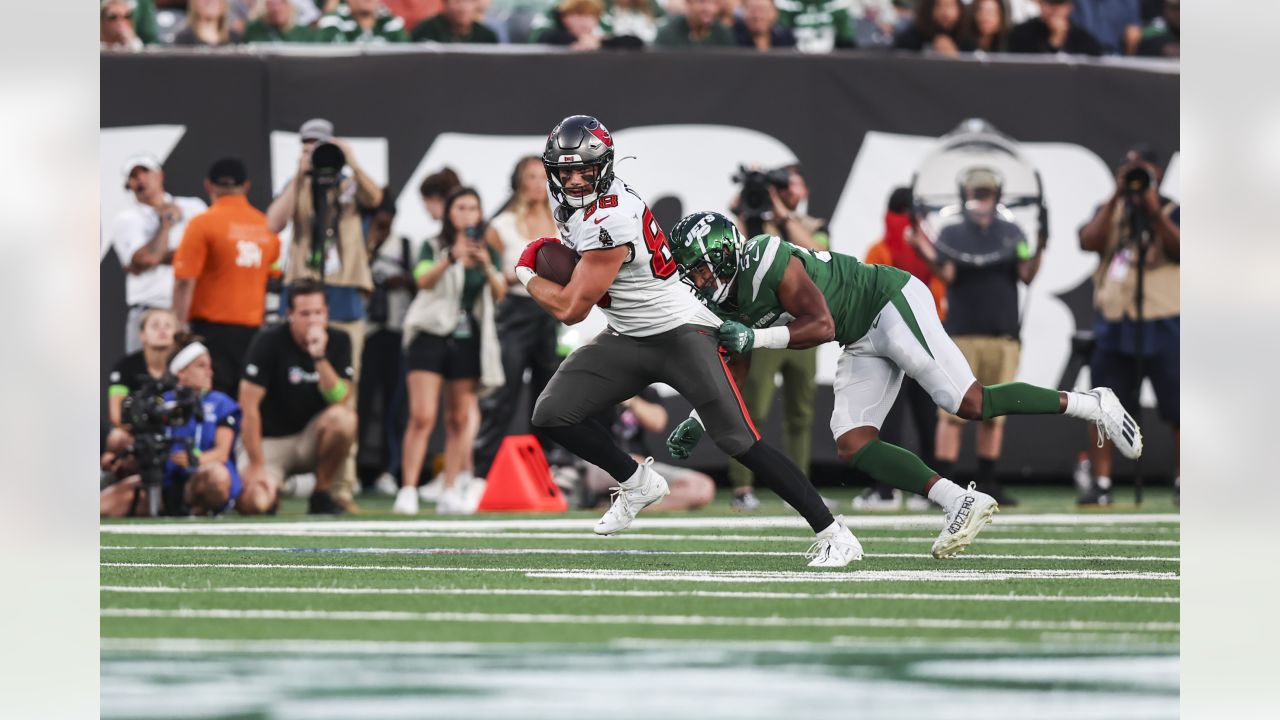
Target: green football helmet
[[711, 239]]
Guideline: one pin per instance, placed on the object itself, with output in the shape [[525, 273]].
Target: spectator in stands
[[982, 312], [1053, 32], [435, 188], [210, 483], [896, 249], [759, 27], [629, 421], [579, 27], [985, 26], [452, 343], [819, 26], [362, 21], [278, 23], [937, 28], [380, 404], [697, 28], [798, 368], [296, 397], [208, 24], [1115, 24], [221, 270], [727, 12], [155, 330], [414, 11], [115, 26], [1161, 37], [634, 19], [458, 22], [1133, 218], [144, 236], [528, 332]]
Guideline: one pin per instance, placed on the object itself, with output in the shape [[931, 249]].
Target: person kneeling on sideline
[[211, 483]]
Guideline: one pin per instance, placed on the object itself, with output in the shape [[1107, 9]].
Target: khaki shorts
[[289, 455], [994, 361]]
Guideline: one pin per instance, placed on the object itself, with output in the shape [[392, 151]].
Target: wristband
[[774, 337], [336, 393], [525, 274]]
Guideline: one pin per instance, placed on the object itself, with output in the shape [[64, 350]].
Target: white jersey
[[647, 297]]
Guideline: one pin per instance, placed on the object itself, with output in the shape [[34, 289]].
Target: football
[[555, 262]]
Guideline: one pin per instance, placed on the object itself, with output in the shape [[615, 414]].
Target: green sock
[[1019, 399], [893, 466]]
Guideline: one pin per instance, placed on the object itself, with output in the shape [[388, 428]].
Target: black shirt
[[779, 36], [983, 298], [1032, 36], [288, 374], [123, 379]]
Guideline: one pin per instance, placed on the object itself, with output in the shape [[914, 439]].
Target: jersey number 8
[[662, 263]]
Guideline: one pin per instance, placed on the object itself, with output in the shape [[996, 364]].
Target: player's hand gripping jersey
[[646, 297], [855, 292]]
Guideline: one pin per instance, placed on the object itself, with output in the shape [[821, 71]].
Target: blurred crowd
[[934, 27]]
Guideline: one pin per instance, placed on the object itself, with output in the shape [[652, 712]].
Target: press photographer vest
[[1116, 279], [353, 260]]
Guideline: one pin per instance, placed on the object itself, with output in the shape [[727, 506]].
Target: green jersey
[[819, 25], [855, 292]]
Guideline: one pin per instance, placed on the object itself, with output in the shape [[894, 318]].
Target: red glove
[[529, 258]]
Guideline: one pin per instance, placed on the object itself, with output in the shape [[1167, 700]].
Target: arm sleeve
[[258, 361], [228, 414], [188, 261]]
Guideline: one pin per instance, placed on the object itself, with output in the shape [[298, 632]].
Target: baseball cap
[[228, 172], [150, 162], [317, 129], [980, 177]]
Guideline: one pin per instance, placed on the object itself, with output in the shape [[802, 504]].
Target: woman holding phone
[[451, 344]]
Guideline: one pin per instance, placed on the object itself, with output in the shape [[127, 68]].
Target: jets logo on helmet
[[579, 141], [706, 249]]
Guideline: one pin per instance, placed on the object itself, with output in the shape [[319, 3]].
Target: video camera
[[753, 198], [151, 419]]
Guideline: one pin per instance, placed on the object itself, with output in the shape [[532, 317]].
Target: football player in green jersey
[[776, 295]]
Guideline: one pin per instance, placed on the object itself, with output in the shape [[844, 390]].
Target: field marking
[[610, 552], [956, 575], [681, 620], [592, 537], [773, 521], [535, 592]]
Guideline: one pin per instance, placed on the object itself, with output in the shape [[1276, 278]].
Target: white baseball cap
[[138, 161]]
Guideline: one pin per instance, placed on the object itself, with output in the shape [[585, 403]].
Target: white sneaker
[[834, 548], [453, 501], [644, 488], [964, 518], [918, 503], [406, 501], [386, 485], [431, 491], [1116, 424], [870, 501]]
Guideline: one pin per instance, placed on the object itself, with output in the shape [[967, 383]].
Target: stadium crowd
[[934, 27]]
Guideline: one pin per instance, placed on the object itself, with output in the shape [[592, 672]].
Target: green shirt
[[855, 292], [819, 25], [340, 27], [437, 29], [674, 33], [473, 278], [259, 31]]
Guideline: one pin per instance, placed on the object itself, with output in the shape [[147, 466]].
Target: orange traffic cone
[[520, 479]]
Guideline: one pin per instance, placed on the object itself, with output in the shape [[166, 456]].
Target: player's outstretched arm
[[813, 324], [592, 276]]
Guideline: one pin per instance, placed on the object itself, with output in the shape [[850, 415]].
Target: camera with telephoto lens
[[151, 420], [1137, 180], [327, 161], [754, 197]]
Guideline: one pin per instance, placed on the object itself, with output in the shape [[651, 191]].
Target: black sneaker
[[1095, 496], [321, 503]]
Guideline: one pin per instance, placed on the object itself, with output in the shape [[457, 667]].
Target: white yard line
[[642, 523], [619, 551], [586, 536], [955, 575], [682, 620], [728, 595]]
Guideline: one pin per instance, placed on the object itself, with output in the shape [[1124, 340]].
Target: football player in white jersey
[[658, 332]]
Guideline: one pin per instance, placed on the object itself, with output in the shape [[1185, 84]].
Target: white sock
[[831, 530], [1104, 482], [1082, 405], [944, 492]]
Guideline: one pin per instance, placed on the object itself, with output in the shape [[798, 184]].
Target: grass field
[[1053, 614]]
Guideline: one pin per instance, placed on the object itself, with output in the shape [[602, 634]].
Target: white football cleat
[[965, 517], [834, 548], [644, 488], [453, 501], [406, 501], [1118, 426]]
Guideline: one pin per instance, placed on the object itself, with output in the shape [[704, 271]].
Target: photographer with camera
[[1137, 327], [769, 203], [196, 428], [297, 401], [323, 201], [155, 331]]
